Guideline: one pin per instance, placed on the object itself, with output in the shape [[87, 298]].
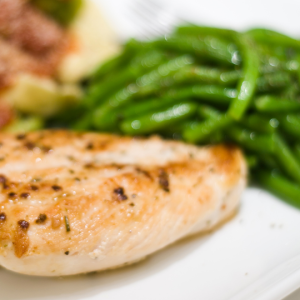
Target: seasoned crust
[[119, 194]]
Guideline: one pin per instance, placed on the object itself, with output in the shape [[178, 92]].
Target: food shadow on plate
[[85, 286]]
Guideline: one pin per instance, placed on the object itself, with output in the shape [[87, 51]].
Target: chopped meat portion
[[12, 61], [30, 42], [28, 28]]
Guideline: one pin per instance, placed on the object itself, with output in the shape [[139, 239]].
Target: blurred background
[[235, 14]]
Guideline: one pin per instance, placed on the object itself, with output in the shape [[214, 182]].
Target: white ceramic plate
[[254, 256]]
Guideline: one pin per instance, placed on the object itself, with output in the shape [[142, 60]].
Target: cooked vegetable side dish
[[208, 85], [75, 203]]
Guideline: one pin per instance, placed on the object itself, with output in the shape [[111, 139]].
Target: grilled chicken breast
[[79, 202]]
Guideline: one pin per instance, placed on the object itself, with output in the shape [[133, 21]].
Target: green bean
[[131, 49], [139, 66], [260, 143], [154, 89], [297, 152], [268, 63], [205, 30], [208, 48], [206, 112], [177, 132], [292, 66], [115, 116], [273, 81], [272, 37], [151, 78], [194, 74], [112, 65], [255, 122], [207, 75], [177, 129], [291, 92], [67, 117], [230, 77], [205, 129], [126, 95], [84, 123], [208, 93], [190, 74], [158, 120], [247, 85], [271, 64], [252, 161], [279, 53], [147, 106], [268, 160], [272, 104], [138, 46], [217, 138], [280, 186], [298, 71], [286, 158], [291, 125], [259, 123]]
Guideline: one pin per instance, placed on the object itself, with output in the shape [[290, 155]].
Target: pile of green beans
[[208, 85]]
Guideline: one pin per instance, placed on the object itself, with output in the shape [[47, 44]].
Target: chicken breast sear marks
[[73, 203]]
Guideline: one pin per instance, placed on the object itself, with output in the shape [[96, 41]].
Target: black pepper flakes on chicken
[[89, 218]]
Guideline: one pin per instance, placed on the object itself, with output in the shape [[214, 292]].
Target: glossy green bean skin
[[155, 121], [179, 127], [209, 48], [272, 37], [197, 74], [291, 92], [207, 93], [259, 143], [290, 124], [256, 122], [273, 104], [247, 85], [206, 112], [206, 30], [297, 152], [274, 81], [269, 161], [146, 106], [115, 116], [84, 123], [139, 66], [207, 128], [259, 123], [114, 64], [252, 161], [286, 158], [280, 186], [126, 95]]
